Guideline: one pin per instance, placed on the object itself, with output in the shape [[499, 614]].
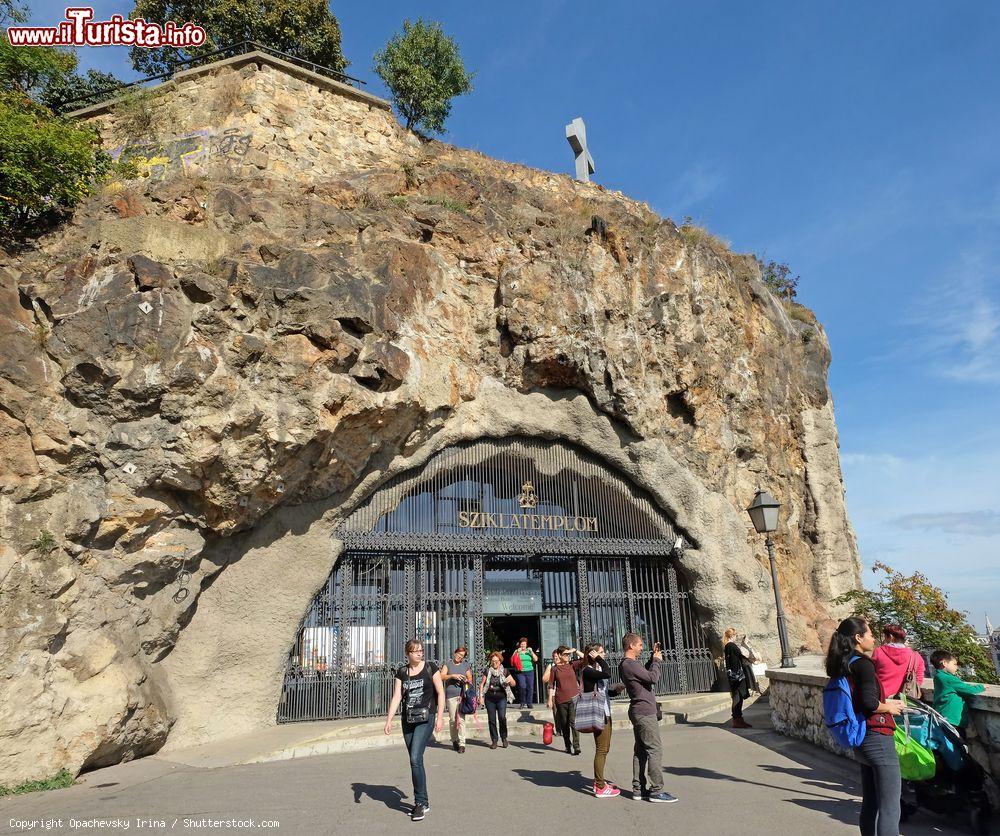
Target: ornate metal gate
[[417, 551]]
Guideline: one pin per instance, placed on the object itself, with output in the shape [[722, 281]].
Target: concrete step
[[522, 724], [300, 740]]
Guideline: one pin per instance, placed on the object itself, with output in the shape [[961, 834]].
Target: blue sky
[[856, 142]]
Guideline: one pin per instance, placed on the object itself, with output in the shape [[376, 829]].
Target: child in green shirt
[[950, 690]]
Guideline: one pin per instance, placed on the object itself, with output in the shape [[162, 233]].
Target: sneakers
[[662, 798], [418, 811], [639, 795], [607, 791], [576, 751], [461, 749]]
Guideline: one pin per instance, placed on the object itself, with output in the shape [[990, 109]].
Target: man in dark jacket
[[648, 752]]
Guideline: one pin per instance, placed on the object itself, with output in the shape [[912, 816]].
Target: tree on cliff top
[[306, 29], [424, 71], [921, 608]]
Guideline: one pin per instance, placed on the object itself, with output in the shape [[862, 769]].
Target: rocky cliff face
[[211, 364]]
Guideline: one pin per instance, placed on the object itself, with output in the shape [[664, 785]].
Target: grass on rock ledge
[[62, 779]]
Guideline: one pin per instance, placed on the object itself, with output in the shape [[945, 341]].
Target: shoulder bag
[[911, 688], [590, 711]]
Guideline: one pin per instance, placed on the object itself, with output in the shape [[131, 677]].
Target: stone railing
[[796, 698]]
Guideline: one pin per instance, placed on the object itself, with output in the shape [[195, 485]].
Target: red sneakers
[[607, 791]]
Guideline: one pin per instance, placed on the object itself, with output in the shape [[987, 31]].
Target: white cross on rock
[[576, 135]]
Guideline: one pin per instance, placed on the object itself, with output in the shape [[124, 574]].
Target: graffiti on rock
[[186, 154]]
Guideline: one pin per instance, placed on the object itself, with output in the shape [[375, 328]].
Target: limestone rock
[[213, 364]]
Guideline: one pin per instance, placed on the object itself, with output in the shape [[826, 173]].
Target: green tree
[[921, 608], [11, 12], [29, 70], [47, 164], [423, 70], [71, 91], [306, 29]]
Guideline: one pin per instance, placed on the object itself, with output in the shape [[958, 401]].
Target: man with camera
[[643, 713]]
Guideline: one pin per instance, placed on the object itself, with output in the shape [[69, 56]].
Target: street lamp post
[[763, 513]]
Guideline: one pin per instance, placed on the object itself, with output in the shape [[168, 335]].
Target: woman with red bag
[[523, 661]]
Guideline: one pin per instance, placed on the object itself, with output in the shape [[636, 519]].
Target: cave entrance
[[490, 539]]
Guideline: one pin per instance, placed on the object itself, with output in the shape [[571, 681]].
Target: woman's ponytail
[[842, 646]]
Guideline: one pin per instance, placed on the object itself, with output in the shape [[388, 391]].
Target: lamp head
[[763, 512]]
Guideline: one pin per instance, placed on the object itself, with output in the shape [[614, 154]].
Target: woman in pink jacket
[[893, 659]]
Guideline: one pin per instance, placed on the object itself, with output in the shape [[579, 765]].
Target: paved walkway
[[739, 783]]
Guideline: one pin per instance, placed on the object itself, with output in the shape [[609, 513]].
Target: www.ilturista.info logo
[[79, 29]]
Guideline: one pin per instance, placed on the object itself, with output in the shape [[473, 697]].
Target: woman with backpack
[[457, 675], [860, 717], [495, 688], [418, 687]]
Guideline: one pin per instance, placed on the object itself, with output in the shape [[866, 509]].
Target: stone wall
[[213, 363], [251, 117], [796, 699]]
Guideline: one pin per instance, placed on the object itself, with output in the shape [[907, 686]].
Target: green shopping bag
[[916, 763]]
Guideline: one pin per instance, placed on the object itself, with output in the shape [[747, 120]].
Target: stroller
[[956, 787]]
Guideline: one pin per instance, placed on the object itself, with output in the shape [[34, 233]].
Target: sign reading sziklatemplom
[[528, 500]]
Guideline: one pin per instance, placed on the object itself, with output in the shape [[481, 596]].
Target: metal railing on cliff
[[230, 51]]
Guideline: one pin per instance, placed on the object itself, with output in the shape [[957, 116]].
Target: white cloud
[[973, 523], [925, 513], [698, 183], [955, 327]]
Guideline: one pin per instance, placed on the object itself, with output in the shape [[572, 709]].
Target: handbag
[[590, 712], [911, 688]]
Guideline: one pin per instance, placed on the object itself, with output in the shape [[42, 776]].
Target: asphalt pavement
[[727, 782]]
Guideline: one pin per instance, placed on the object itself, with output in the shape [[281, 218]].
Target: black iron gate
[[351, 641]]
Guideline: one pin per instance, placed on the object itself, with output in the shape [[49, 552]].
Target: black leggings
[[737, 703]]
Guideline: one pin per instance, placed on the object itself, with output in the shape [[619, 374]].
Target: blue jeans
[[496, 710], [880, 785], [416, 738], [526, 687]]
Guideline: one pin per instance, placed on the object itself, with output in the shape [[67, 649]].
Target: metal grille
[[519, 478], [351, 641]]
